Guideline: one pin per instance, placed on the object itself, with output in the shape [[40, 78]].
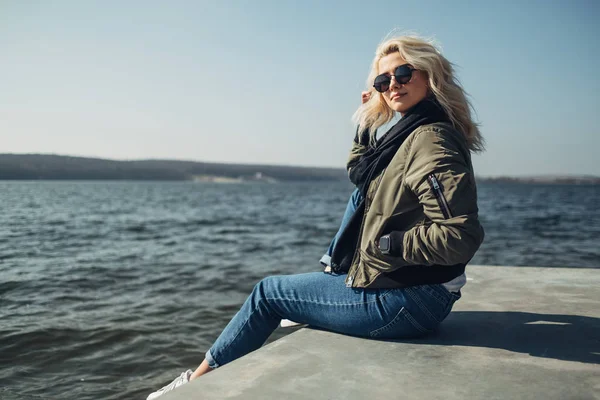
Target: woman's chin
[[400, 107]]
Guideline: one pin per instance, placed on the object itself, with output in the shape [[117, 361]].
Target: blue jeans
[[355, 199], [323, 300]]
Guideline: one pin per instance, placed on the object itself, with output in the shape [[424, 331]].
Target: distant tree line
[[43, 166], [551, 180]]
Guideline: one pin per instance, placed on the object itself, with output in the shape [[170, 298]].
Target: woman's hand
[[363, 138], [366, 95]]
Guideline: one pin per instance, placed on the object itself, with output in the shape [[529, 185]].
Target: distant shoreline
[[57, 167], [544, 180]]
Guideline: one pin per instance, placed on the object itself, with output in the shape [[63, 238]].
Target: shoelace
[[180, 380]]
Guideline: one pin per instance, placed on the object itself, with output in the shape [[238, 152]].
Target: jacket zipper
[[350, 278], [439, 195]]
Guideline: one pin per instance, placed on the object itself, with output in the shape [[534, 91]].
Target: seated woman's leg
[[324, 301], [353, 202]]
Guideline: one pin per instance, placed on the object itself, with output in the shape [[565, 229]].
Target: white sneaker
[[180, 380], [286, 323]]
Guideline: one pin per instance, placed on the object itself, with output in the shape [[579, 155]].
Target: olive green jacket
[[428, 192]]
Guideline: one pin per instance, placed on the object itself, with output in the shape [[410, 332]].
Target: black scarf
[[375, 160]]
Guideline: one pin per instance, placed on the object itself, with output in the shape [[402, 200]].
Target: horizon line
[[546, 176]]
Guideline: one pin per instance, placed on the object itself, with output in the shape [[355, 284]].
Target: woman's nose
[[394, 83]]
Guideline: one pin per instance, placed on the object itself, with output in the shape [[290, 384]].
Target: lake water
[[108, 290]]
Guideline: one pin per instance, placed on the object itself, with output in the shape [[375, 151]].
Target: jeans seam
[[329, 304]]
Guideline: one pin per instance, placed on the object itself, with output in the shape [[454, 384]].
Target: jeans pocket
[[434, 301], [402, 326]]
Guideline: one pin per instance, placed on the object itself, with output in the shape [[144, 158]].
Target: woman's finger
[[365, 96]]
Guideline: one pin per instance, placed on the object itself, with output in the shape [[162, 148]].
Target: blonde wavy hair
[[423, 55]]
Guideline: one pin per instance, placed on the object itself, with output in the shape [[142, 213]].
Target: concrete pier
[[517, 333]]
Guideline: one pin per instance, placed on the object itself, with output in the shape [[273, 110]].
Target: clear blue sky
[[276, 82]]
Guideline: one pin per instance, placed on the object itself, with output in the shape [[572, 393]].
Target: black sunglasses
[[402, 74]]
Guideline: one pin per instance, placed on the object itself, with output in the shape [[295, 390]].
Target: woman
[[397, 264]]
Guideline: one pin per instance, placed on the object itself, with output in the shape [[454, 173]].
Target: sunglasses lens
[[382, 83], [403, 74]]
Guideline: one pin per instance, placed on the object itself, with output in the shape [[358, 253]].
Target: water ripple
[[108, 289]]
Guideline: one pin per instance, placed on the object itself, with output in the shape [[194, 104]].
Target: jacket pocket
[[439, 195]]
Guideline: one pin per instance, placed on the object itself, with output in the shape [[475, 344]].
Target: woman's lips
[[397, 96]]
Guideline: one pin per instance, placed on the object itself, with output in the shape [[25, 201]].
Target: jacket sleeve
[[439, 172]]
